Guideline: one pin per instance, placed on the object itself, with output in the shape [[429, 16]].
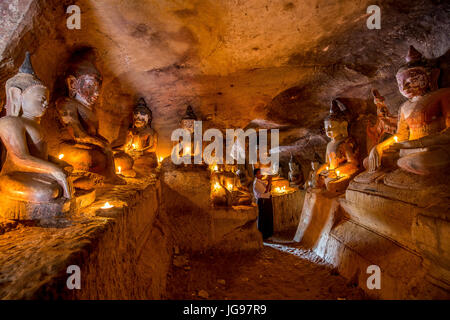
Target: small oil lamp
[[337, 173], [107, 206], [61, 156]]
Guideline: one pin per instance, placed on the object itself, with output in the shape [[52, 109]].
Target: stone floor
[[278, 271]]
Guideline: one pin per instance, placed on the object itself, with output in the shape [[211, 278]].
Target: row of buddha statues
[[415, 145], [407, 152], [83, 158]]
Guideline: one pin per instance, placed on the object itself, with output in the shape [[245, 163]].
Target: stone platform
[[196, 224], [124, 252], [408, 243], [287, 208]]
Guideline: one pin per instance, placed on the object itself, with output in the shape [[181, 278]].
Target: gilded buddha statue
[[82, 146], [342, 153]]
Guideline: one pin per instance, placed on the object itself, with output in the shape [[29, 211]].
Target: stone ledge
[[34, 259]]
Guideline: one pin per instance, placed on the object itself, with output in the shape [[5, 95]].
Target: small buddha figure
[[227, 189], [341, 154], [142, 140], [81, 144], [187, 122], [27, 174], [421, 145], [386, 124], [312, 181], [295, 174]]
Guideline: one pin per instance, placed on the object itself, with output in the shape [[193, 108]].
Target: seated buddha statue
[[226, 187], [82, 146], [27, 174], [419, 153], [341, 154], [295, 174]]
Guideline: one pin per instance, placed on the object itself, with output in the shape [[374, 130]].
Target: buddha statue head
[[417, 77], [26, 95], [83, 79], [187, 122], [336, 122], [142, 115]]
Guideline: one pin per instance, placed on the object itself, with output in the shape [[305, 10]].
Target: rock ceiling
[[234, 61]]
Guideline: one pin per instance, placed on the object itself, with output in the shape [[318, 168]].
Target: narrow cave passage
[[277, 272]]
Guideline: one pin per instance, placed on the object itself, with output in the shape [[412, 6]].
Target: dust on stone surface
[[267, 274]]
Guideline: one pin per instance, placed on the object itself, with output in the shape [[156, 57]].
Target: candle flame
[[327, 168], [161, 159], [61, 156], [280, 190], [188, 150], [396, 138], [107, 206], [134, 146], [230, 187], [119, 168], [216, 186], [337, 172]]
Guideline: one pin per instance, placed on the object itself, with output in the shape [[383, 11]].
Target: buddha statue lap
[[341, 155], [82, 146], [32, 186], [141, 142]]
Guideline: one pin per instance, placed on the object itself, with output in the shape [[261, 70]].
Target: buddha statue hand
[[374, 159], [61, 178]]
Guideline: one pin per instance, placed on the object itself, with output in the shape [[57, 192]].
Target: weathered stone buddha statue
[[421, 145], [341, 155], [313, 177], [295, 174], [142, 140], [28, 176], [82, 146]]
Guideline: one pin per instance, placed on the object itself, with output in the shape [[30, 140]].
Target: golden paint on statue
[[81, 144], [342, 162]]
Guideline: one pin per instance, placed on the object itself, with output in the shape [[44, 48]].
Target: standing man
[[261, 190]]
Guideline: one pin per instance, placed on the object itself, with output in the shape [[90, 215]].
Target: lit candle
[[107, 206], [230, 187], [187, 150], [161, 159], [134, 146], [216, 186], [337, 173], [61, 156], [327, 168], [119, 168], [396, 138]]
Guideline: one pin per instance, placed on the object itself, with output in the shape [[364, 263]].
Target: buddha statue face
[[335, 128], [413, 82], [141, 120], [35, 101], [85, 88], [26, 96]]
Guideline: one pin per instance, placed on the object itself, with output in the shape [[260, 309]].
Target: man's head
[[257, 173]]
